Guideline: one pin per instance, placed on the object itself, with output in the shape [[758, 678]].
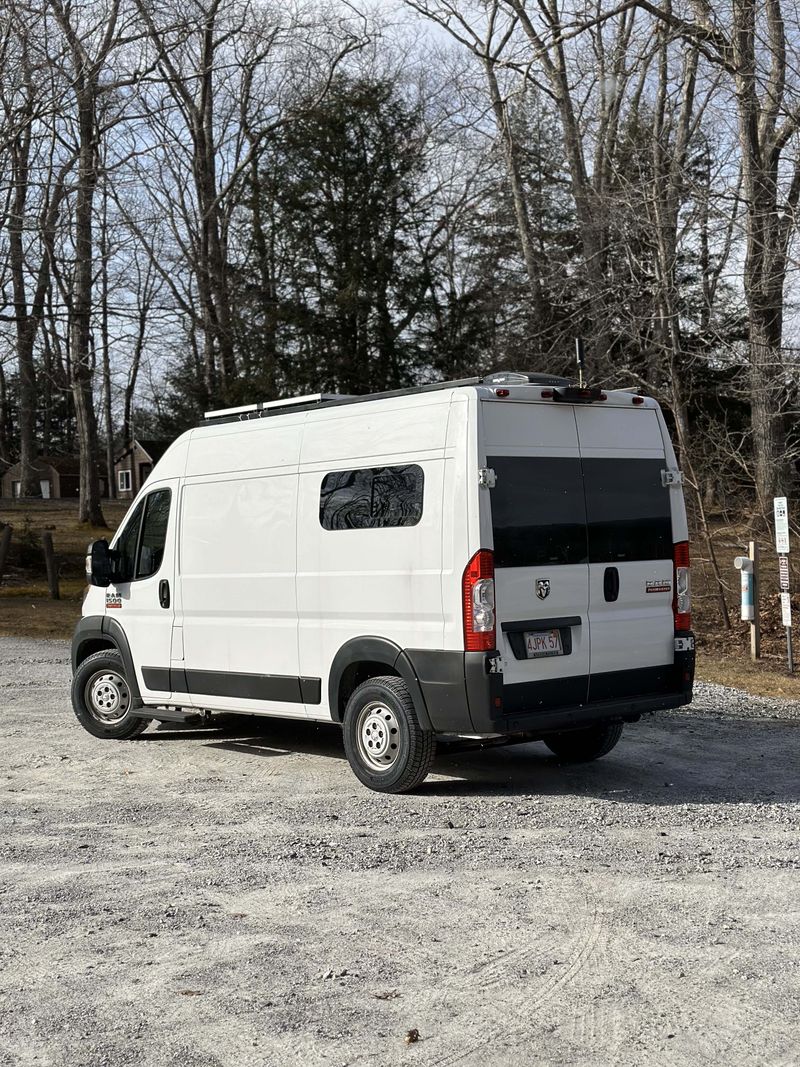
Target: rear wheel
[[387, 748], [102, 700], [582, 746]]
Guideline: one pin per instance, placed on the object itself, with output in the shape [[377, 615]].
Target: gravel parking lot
[[235, 897]]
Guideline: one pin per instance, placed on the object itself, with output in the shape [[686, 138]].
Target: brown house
[[133, 467], [58, 477]]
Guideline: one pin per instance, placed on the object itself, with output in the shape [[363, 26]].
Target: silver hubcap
[[378, 735], [108, 697]]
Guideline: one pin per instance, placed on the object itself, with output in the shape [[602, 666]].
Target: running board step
[[192, 718]]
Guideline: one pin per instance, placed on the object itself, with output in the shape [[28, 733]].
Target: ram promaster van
[[499, 559]]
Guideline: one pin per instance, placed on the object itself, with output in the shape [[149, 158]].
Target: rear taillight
[[478, 601], [682, 597]]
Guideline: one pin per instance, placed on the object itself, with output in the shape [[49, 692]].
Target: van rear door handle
[[611, 584], [163, 593]]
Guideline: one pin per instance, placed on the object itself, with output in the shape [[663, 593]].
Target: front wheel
[[387, 748], [102, 700], [582, 746]]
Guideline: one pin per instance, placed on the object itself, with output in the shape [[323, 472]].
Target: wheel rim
[[108, 697], [378, 735]]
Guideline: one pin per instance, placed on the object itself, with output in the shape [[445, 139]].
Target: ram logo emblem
[[542, 588]]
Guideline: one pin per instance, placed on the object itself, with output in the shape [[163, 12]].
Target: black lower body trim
[[465, 693], [553, 693], [642, 681], [549, 721], [158, 678], [279, 687]]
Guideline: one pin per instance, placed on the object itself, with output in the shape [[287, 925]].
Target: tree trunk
[[5, 424], [133, 374], [89, 509], [766, 394], [26, 324], [105, 343], [267, 294], [524, 231]]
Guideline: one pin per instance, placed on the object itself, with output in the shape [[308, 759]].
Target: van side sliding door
[[237, 565]]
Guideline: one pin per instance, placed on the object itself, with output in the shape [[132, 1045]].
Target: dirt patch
[[235, 897]]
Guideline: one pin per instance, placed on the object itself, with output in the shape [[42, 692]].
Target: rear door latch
[[487, 479]]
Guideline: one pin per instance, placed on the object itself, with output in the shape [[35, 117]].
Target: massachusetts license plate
[[543, 643]]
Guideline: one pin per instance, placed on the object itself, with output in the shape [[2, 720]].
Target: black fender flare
[[375, 650], [99, 628]]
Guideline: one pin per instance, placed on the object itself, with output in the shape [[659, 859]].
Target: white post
[[781, 507]]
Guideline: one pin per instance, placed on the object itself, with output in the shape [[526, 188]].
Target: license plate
[[543, 643]]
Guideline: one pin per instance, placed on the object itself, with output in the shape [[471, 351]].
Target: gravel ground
[[235, 897]]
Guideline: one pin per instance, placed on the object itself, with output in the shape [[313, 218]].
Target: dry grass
[[764, 678], [38, 616], [60, 517], [25, 605]]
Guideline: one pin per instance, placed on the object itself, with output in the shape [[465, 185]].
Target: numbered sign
[[783, 573], [781, 506]]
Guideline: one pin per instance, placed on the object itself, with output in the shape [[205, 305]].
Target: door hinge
[[671, 478], [487, 479]]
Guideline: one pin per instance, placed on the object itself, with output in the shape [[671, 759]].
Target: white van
[[499, 559]]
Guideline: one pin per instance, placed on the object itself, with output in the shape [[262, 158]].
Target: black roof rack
[[317, 400]]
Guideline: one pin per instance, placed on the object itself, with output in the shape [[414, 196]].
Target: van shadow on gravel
[[669, 760]]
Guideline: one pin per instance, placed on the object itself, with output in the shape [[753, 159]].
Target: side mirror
[[99, 564]]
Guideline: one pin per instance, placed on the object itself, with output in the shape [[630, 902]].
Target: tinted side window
[[154, 533], [371, 499], [628, 510], [126, 545], [538, 511]]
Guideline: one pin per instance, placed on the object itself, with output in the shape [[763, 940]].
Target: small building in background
[[133, 467], [58, 477]]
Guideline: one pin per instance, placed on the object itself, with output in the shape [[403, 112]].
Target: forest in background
[[211, 202]]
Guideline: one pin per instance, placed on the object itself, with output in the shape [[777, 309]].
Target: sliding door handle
[[163, 593], [611, 584]]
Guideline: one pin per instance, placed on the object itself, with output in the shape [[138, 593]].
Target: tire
[[387, 748], [582, 746], [102, 700]]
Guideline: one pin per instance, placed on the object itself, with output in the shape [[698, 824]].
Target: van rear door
[[630, 550], [538, 522]]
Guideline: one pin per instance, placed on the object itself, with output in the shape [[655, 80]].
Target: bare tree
[[35, 204], [488, 38], [757, 46], [94, 38]]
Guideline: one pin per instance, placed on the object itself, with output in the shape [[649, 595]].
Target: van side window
[[372, 499], [125, 547], [140, 547], [154, 533]]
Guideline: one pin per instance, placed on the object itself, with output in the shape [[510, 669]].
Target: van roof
[[498, 379]]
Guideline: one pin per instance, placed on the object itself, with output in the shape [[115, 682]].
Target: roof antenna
[[579, 359]]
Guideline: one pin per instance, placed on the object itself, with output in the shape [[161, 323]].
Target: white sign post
[[781, 505]]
